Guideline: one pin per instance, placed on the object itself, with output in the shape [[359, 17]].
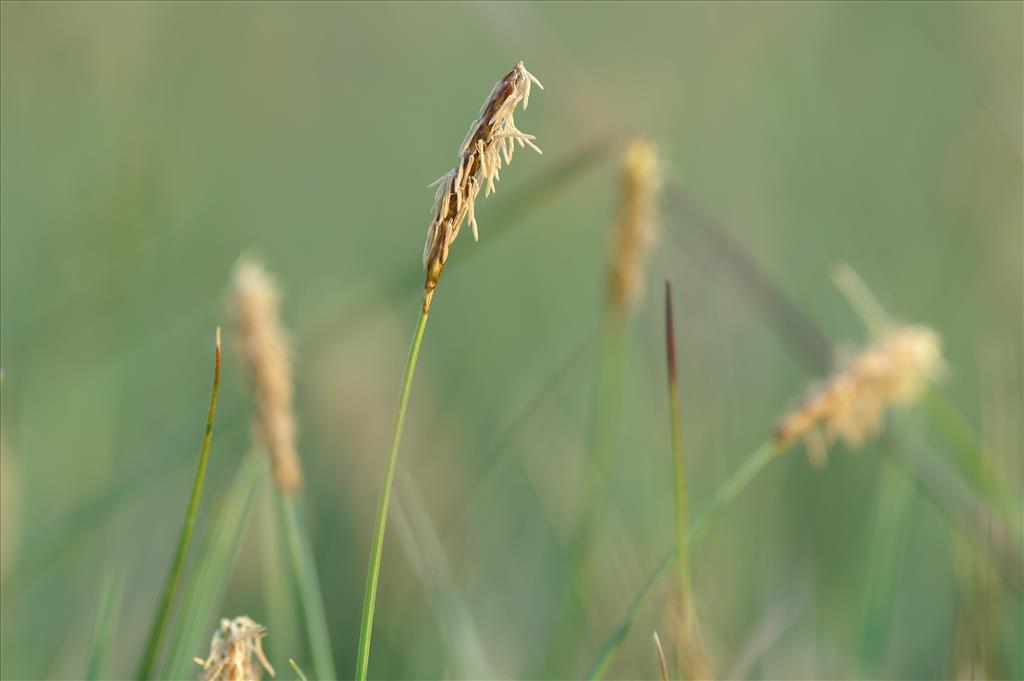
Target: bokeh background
[[146, 146]]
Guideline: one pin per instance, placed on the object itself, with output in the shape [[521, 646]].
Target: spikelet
[[254, 301], [850, 406], [635, 227], [490, 142], [231, 651]]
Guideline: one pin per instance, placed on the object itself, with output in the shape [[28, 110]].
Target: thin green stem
[[380, 524], [678, 464], [298, 670], [725, 495], [156, 630], [310, 595]]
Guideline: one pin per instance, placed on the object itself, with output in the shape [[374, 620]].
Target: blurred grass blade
[[297, 669], [725, 495], [660, 652], [310, 594], [214, 564], [156, 630], [891, 507], [282, 616], [107, 616], [509, 210]]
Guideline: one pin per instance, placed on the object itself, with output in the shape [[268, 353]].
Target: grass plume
[[263, 345], [490, 140], [159, 624], [850, 405]]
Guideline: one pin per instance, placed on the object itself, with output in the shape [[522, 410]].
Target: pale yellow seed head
[[636, 225], [254, 303], [850, 406]]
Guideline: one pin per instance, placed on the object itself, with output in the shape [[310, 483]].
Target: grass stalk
[[310, 595], [383, 503], [297, 669], [106, 625], [159, 624], [723, 498], [678, 464]]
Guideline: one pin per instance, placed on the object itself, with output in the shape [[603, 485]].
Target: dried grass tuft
[[232, 648]]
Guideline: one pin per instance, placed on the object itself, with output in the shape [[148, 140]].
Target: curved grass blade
[[725, 495], [156, 630], [215, 561], [310, 594], [106, 627]]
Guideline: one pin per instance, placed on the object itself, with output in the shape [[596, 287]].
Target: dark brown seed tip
[[670, 334]]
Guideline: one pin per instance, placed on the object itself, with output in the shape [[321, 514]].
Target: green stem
[[679, 465], [309, 587], [725, 495], [156, 630], [373, 571]]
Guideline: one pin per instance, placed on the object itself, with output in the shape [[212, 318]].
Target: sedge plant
[[490, 143]]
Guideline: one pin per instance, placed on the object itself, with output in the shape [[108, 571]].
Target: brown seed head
[[851, 404], [635, 227], [490, 142], [263, 345]]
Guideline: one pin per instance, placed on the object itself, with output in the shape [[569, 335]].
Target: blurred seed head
[[636, 225], [491, 140], [232, 648], [254, 303], [850, 406]]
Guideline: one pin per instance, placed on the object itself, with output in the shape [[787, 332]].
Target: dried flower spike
[[262, 342], [231, 651], [490, 142], [635, 228], [850, 405]]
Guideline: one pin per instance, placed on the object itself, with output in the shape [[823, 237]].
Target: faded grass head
[[894, 371], [254, 303], [489, 143], [636, 224], [232, 648]]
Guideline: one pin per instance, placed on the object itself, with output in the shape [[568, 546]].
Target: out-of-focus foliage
[[146, 146]]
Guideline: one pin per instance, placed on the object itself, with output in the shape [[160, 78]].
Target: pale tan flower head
[[489, 143], [636, 224], [850, 406], [232, 648], [254, 303]]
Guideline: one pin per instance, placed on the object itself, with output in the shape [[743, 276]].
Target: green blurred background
[[146, 146]]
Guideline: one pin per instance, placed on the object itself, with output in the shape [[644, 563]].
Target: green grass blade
[[723, 498], [297, 669], [214, 564], [891, 507], [383, 503], [678, 464], [106, 627], [310, 595], [279, 592], [159, 624]]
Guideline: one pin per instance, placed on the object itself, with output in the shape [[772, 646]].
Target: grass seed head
[[490, 143], [850, 405], [263, 344], [636, 225], [232, 648]]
